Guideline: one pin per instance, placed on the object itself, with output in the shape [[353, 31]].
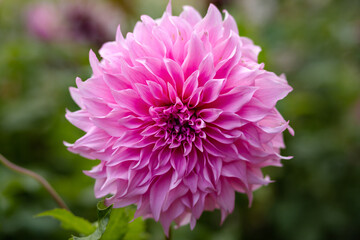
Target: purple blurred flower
[[69, 21], [43, 21], [181, 116]]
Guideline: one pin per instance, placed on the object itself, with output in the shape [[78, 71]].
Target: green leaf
[[112, 224], [70, 221], [120, 227], [103, 220]]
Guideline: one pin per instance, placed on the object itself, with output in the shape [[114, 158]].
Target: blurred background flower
[[79, 21], [43, 21], [316, 43]]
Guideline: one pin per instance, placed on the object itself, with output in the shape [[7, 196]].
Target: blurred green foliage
[[316, 43]]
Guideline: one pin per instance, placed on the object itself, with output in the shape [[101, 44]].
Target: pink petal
[[80, 119], [95, 64], [210, 114], [212, 90], [158, 193], [234, 100], [190, 85], [190, 15], [129, 99], [194, 57], [229, 121], [229, 24]]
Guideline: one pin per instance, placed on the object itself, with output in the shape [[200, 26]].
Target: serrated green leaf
[[69, 221], [103, 220], [114, 224]]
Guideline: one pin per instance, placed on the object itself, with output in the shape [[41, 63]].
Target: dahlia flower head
[[181, 116]]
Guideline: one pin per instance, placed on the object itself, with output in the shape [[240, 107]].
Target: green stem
[[170, 233], [37, 177]]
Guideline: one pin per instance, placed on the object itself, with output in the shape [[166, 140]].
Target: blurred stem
[[37, 177], [170, 233]]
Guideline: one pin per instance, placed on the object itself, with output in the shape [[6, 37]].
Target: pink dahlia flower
[[181, 116]]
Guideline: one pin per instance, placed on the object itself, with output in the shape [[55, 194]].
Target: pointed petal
[[158, 193]]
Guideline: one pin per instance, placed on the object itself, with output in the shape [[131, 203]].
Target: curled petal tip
[[94, 63], [119, 37], [169, 8]]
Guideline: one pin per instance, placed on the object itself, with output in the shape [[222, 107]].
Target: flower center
[[178, 125]]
